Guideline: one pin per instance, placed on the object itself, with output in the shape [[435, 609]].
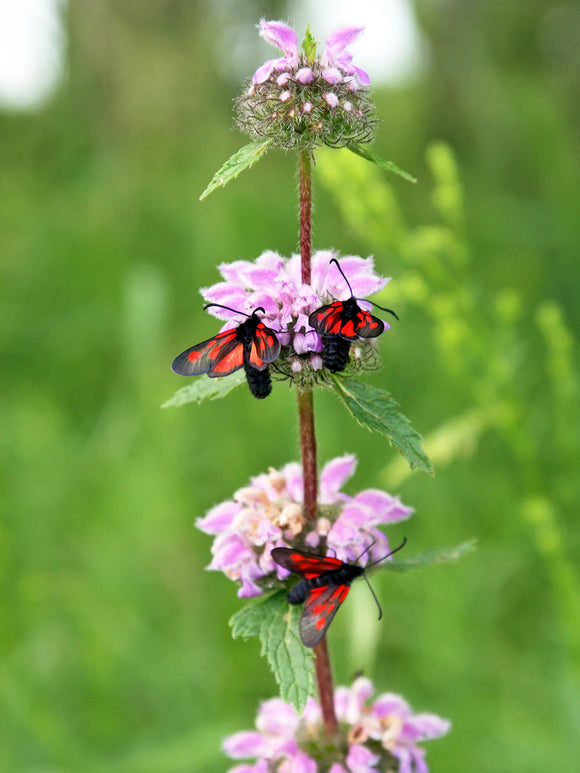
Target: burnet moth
[[325, 584], [251, 346], [342, 322]]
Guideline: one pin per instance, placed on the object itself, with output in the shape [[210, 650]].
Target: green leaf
[[276, 623], [387, 165], [206, 389], [244, 158], [377, 411], [309, 46], [438, 556]]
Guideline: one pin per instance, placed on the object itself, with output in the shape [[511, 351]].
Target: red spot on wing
[[229, 362], [342, 593], [314, 566], [348, 329], [265, 346]]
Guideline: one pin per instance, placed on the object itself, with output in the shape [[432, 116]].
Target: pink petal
[[361, 760], [360, 692], [264, 71], [405, 759], [294, 481], [333, 475], [279, 34], [277, 718], [311, 714], [219, 518], [389, 703], [341, 699], [362, 76], [244, 744], [302, 763], [385, 508], [248, 589], [423, 727], [338, 40]]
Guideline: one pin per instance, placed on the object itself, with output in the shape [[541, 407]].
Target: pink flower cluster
[[274, 283], [302, 100], [336, 61], [268, 513], [380, 734]]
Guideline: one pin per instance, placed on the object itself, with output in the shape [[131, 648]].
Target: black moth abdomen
[[298, 593], [335, 353], [259, 381]]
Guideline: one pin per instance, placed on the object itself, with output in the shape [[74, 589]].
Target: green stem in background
[[308, 445]]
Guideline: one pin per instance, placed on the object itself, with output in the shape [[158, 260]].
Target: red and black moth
[[324, 586], [342, 322], [251, 346]]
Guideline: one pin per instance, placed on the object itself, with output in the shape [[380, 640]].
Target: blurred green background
[[115, 649]]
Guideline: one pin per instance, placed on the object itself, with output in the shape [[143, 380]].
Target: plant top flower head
[[300, 100], [269, 513], [380, 734]]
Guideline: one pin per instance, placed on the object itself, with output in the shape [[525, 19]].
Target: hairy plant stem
[[325, 688], [308, 445], [308, 452], [305, 215]]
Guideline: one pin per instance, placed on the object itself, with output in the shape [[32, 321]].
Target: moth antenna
[[235, 311], [374, 596], [390, 311], [366, 550], [334, 260], [396, 316], [392, 553]]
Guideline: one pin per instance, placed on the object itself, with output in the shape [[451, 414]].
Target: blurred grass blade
[[206, 389], [276, 624], [438, 556], [242, 159], [389, 166], [377, 411]]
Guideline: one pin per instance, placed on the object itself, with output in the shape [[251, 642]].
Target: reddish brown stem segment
[[325, 688], [308, 450], [305, 215], [308, 445]]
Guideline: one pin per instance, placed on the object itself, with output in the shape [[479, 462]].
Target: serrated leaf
[[206, 389], [377, 411], [276, 623], [438, 556], [389, 166], [248, 621], [242, 159]]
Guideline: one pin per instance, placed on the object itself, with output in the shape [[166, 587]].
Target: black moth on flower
[[340, 323], [251, 346], [324, 586]]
